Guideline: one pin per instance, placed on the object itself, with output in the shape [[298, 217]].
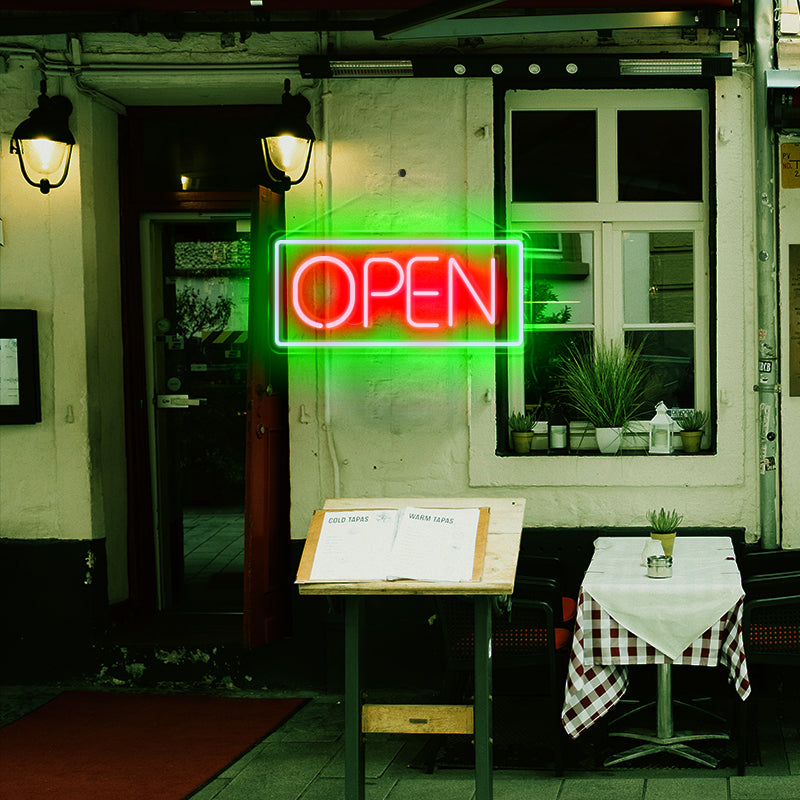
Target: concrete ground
[[304, 760]]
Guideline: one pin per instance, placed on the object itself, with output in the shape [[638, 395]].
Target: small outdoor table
[[625, 617], [497, 579]]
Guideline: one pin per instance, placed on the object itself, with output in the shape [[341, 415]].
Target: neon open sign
[[379, 292]]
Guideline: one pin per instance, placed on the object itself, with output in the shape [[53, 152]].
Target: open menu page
[[425, 544]]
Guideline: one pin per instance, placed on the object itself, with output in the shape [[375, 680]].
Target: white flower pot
[[608, 439]]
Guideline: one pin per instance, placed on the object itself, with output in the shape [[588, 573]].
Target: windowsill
[[584, 453], [635, 442], [591, 468], [725, 461]]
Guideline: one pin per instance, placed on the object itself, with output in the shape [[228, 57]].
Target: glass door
[[198, 285]]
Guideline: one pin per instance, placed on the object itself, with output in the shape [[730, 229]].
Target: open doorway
[[206, 415], [196, 273]]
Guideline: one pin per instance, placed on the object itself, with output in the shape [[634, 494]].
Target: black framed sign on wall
[[20, 398]]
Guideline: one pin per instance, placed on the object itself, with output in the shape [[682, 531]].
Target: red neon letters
[[374, 292], [404, 281]]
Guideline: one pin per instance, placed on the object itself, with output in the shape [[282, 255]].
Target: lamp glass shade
[[287, 153], [43, 155]]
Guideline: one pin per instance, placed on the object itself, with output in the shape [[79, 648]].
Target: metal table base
[[665, 739]]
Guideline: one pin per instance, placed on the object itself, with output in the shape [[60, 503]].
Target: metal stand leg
[[483, 697], [665, 740], [664, 725], [353, 738]]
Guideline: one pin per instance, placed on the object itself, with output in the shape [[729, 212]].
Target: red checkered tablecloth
[[602, 649]]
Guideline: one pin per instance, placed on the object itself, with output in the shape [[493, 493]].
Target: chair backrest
[[765, 562], [779, 584], [771, 619], [522, 634], [538, 566]]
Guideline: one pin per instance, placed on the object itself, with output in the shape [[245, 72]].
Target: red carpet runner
[[107, 746]]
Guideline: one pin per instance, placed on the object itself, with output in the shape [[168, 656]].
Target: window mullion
[[607, 155], [609, 320]]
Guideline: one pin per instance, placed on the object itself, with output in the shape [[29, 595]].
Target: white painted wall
[[388, 423], [64, 478], [405, 425], [392, 424]]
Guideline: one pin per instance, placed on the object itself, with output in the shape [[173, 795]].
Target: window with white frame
[[611, 189]]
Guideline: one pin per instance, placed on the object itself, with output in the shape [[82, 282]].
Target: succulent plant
[[521, 422], [693, 420], [664, 521]]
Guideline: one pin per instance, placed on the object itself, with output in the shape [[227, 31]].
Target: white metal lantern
[[661, 430]]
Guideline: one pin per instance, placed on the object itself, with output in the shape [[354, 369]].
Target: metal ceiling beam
[[429, 13], [546, 23], [533, 69]]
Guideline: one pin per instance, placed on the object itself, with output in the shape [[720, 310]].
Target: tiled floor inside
[[213, 547]]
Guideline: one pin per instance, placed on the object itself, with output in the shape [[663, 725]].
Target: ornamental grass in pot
[[606, 386]]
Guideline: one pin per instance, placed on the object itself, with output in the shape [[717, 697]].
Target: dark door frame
[[134, 201]]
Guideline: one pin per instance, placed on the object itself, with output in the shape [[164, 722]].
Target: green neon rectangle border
[[515, 341]]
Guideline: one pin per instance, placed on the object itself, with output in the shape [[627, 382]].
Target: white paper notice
[[435, 544], [9, 373], [354, 545]]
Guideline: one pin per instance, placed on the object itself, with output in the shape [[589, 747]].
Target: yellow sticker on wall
[[790, 165]]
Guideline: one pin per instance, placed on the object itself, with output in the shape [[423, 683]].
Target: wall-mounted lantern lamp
[[43, 142], [288, 141]]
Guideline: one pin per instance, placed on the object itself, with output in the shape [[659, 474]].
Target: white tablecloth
[[669, 613]]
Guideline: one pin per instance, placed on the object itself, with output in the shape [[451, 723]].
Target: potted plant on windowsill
[[692, 424], [521, 426], [606, 386]]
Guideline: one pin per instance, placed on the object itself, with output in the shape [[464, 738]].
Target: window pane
[[559, 286], [669, 356], [544, 350], [660, 155], [553, 156], [658, 276]]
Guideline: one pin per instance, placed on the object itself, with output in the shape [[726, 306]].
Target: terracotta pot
[[521, 441], [691, 441]]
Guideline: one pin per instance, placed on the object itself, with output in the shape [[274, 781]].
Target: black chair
[[767, 562], [524, 634], [550, 568], [770, 625], [771, 618]]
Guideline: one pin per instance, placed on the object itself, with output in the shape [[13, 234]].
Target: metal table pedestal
[[665, 739]]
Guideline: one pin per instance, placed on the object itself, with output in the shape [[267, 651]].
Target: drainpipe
[[766, 195]]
